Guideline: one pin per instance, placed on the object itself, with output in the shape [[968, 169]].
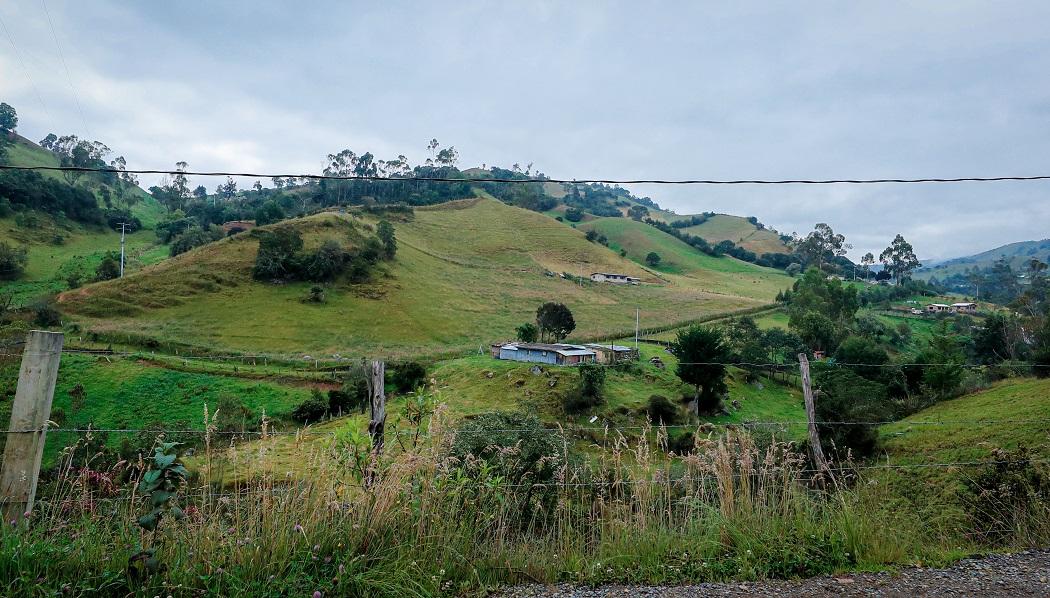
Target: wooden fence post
[[377, 421], [811, 415], [28, 428]]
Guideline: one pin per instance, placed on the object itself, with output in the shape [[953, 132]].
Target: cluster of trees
[[554, 322], [281, 256], [8, 123], [862, 382], [694, 220], [23, 190], [826, 250]]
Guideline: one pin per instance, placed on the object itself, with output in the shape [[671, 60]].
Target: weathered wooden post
[[377, 421], [28, 428], [811, 415]]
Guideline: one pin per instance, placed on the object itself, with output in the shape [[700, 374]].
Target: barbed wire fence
[[30, 422]]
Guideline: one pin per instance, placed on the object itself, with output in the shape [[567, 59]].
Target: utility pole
[[123, 228]]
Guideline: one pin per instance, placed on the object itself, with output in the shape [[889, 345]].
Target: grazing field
[[724, 227], [681, 262], [105, 393], [466, 273]]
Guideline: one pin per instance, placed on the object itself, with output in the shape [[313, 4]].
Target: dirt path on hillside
[[1013, 575]]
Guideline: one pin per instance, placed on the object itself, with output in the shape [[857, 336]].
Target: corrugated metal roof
[[618, 348]]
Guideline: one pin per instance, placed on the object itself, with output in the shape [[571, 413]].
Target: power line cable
[[62, 58], [439, 179], [29, 76]]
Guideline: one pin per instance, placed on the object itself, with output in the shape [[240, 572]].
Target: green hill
[[739, 230], [678, 258], [1017, 254], [1012, 413], [466, 273], [58, 247]]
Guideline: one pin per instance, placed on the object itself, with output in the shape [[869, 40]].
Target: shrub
[[326, 263], [108, 268], [1008, 495], [573, 214], [661, 410], [682, 444], [27, 220], [588, 392], [861, 350], [352, 397], [234, 415], [277, 255], [12, 261], [46, 316], [845, 396], [316, 295], [312, 409], [653, 259], [516, 445], [408, 376], [527, 332], [194, 237]]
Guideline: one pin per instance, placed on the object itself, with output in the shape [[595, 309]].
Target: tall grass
[[430, 524]]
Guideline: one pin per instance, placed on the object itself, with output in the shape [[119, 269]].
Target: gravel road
[[1007, 575]]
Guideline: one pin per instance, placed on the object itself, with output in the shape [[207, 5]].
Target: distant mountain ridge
[[1017, 254]]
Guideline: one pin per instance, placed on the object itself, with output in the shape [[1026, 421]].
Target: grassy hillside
[[1018, 254], [123, 393], [24, 152], [466, 273], [723, 227], [679, 259], [1015, 413], [60, 247]]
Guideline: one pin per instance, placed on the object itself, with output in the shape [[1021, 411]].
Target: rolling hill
[[677, 257], [1018, 254], [724, 227], [58, 247], [466, 273]]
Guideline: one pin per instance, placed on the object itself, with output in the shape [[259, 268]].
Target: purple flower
[[317, 593]]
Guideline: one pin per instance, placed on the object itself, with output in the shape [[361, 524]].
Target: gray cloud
[[583, 89]]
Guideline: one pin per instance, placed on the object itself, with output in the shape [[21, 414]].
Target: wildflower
[[317, 593], [342, 569]]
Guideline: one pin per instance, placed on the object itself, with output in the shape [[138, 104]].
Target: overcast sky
[[581, 89]]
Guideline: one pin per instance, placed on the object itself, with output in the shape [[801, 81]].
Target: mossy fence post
[[27, 431]]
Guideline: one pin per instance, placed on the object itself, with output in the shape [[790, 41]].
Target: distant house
[[938, 308], [614, 278], [553, 354], [613, 353], [964, 308], [236, 226]]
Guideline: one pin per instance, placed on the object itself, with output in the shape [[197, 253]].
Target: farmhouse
[[964, 308], [938, 308], [554, 354], [613, 353], [614, 278]]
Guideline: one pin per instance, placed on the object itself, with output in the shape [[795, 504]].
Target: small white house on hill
[[614, 278]]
